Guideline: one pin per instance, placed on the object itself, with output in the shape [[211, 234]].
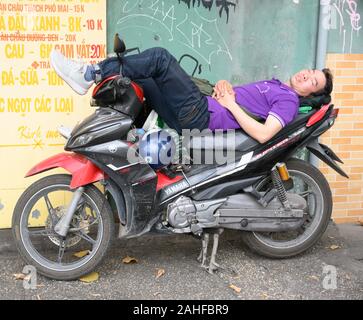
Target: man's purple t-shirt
[[263, 98]]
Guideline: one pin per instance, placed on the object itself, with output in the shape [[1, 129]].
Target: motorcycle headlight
[[79, 142]]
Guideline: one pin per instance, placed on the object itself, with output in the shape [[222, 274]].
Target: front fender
[[83, 170]]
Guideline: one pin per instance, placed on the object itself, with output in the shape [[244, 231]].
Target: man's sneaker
[[72, 72]]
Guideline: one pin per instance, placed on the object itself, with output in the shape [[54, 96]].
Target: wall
[[345, 58], [239, 41], [34, 101], [346, 24]]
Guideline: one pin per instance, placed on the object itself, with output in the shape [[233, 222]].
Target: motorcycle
[[63, 224]]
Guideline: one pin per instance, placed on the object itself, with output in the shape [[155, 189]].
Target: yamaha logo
[[112, 148], [176, 188]]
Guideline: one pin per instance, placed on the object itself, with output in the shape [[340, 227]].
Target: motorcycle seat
[[238, 139]]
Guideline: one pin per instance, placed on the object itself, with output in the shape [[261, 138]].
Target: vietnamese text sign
[[34, 101]]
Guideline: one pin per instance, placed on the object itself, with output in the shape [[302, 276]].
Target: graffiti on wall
[[202, 36], [221, 5], [346, 12]]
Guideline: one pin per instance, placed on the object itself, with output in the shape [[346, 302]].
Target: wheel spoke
[[41, 233], [305, 193], [50, 209], [81, 206], [85, 237], [62, 249]]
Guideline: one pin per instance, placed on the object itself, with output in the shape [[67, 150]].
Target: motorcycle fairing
[[138, 198], [102, 126], [131, 176], [122, 159], [83, 170]]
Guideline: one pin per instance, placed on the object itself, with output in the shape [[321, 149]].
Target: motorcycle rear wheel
[[285, 245], [42, 248]]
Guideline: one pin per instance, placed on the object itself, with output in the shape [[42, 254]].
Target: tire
[[104, 218], [261, 245]]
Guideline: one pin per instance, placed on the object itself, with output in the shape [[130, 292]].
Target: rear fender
[[325, 154], [83, 170]]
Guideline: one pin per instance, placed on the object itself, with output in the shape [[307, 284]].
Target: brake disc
[[71, 241]]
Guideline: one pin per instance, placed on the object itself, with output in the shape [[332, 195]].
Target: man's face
[[307, 82]]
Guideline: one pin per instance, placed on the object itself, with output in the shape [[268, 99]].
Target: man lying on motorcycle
[[183, 106]]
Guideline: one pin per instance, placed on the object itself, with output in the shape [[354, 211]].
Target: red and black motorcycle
[[63, 224]]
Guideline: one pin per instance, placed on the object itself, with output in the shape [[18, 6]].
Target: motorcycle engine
[[181, 213], [186, 215]]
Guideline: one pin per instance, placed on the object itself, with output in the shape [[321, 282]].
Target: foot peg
[[202, 258]]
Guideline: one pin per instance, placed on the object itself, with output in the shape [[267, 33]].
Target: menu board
[[34, 101]]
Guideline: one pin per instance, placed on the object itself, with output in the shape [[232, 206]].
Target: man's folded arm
[[262, 132]]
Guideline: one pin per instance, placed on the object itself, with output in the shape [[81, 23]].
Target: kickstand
[[213, 266]]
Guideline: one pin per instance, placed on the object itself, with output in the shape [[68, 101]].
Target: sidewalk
[[301, 277]]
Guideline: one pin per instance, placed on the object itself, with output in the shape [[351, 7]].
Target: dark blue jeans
[[167, 87]]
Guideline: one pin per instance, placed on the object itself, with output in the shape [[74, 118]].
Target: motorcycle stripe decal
[[245, 159], [282, 143], [112, 167], [237, 169]]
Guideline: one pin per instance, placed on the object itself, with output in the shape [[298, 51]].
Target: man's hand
[[227, 100], [221, 88]]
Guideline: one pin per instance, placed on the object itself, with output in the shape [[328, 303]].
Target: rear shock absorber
[[278, 171]]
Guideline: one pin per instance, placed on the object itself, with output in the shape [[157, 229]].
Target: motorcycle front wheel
[[37, 212], [311, 184]]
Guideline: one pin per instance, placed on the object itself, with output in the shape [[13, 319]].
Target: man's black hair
[[329, 84]]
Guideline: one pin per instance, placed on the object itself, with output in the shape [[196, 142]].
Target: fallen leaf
[[21, 276], [264, 295], [314, 278], [89, 278], [81, 254], [129, 260], [160, 273], [334, 247], [238, 290]]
